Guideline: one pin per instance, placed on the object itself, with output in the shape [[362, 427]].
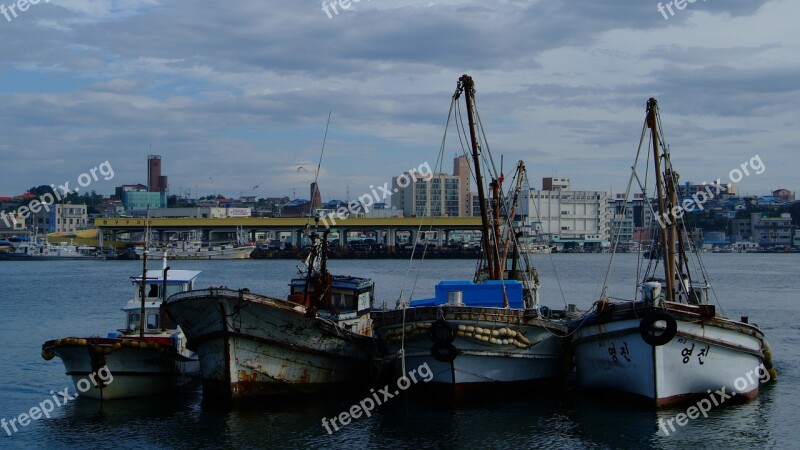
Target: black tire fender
[[442, 332], [656, 336]]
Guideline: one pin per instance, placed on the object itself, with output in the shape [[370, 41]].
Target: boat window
[[133, 321], [343, 301], [152, 321], [176, 288], [153, 291]]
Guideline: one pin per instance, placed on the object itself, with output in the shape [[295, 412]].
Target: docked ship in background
[[252, 345], [147, 357], [193, 249], [488, 332], [671, 346], [39, 249]]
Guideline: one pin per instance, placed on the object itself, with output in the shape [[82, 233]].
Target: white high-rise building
[[572, 218], [435, 195]]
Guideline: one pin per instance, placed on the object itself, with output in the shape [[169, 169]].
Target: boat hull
[[124, 372], [8, 256], [706, 354], [252, 346], [493, 347], [228, 253]]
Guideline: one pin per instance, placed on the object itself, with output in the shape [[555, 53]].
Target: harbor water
[[48, 300]]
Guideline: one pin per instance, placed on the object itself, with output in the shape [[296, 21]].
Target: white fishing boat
[[38, 249], [488, 332], [252, 345], [147, 357], [670, 346], [195, 249], [535, 247]]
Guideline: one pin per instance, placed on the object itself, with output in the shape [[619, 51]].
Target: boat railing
[[225, 292]]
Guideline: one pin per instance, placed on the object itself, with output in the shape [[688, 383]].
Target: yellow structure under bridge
[[121, 230]]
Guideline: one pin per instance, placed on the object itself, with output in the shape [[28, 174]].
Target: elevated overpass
[[218, 229]]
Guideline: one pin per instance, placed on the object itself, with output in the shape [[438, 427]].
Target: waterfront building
[[199, 212], [11, 224], [60, 218], [134, 200], [565, 217], [763, 229], [783, 194], [436, 195], [767, 230], [689, 189], [631, 220], [298, 207]]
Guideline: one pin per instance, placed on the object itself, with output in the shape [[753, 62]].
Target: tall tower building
[[461, 170], [316, 198], [155, 182]]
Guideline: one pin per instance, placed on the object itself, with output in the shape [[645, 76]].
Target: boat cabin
[[689, 293], [156, 290], [350, 294], [488, 294]]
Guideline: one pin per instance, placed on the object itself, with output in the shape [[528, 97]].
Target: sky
[[235, 95]]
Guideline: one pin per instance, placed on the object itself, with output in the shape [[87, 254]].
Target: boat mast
[[668, 224], [467, 86]]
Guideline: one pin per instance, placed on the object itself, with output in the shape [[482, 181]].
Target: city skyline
[[241, 109]]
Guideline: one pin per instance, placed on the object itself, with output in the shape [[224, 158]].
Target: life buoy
[[443, 352], [442, 332], [658, 336]]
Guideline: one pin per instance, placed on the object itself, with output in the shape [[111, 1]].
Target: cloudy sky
[[235, 94]]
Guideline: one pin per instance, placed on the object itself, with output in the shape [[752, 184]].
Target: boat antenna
[[144, 272], [322, 151], [165, 268], [316, 177]]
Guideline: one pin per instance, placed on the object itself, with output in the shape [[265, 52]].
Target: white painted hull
[[228, 253], [478, 363], [135, 372], [251, 345], [612, 356]]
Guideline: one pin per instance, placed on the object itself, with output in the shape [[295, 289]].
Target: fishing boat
[[147, 357], [318, 339], [38, 249], [489, 331], [195, 249], [6, 246], [671, 345], [250, 345]]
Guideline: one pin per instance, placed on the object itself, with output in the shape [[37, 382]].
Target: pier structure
[[120, 230]]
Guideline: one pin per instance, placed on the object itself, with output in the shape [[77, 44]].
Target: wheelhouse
[[156, 289]]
